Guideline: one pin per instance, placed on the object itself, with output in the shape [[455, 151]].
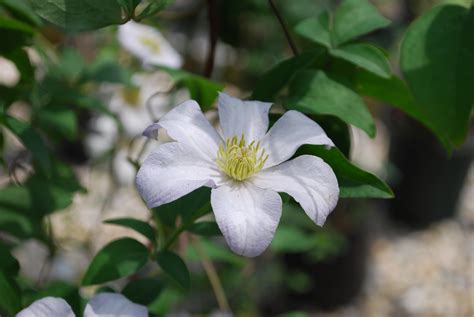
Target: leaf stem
[[212, 276], [293, 47]]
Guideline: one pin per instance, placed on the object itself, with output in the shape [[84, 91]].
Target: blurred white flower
[[148, 44], [9, 74], [246, 167], [134, 107], [101, 305]]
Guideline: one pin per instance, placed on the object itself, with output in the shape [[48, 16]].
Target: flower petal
[[247, 216], [187, 124], [239, 117], [113, 305], [291, 131], [47, 307], [172, 171], [309, 180]]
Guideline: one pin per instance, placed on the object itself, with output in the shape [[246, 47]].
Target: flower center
[[131, 95], [151, 44], [239, 160]]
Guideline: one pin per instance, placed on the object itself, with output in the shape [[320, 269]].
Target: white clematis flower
[[101, 305], [148, 44], [246, 167]]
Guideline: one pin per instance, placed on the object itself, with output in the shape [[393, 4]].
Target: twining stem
[[212, 18], [212, 276], [283, 26]]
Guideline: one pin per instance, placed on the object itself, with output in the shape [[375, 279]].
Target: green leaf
[[354, 18], [68, 292], [153, 8], [143, 291], [31, 140], [129, 6], [190, 207], [139, 226], [117, 259], [14, 34], [273, 81], [393, 91], [22, 10], [313, 92], [79, 15], [8, 264], [353, 181], [201, 89], [366, 56], [437, 62], [205, 228], [108, 71], [175, 267], [316, 29], [59, 121], [10, 301]]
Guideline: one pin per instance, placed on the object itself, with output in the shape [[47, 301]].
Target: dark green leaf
[[273, 81], [79, 15], [129, 6], [175, 267], [143, 291], [316, 29], [152, 8], [139, 226], [10, 299], [108, 71], [437, 61], [392, 91], [190, 207], [354, 18], [68, 292], [21, 10], [366, 56], [8, 263], [313, 92], [353, 181], [201, 89], [205, 228], [14, 34], [337, 130], [31, 140], [117, 259], [59, 121]]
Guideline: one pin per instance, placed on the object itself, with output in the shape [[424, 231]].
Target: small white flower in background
[[101, 305], [148, 44], [130, 103], [245, 167], [9, 74], [130, 106]]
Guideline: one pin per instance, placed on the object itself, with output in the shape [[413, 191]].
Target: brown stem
[[283, 26], [212, 276], [212, 17]]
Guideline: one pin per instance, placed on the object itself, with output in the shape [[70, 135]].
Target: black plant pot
[[336, 280], [429, 181]]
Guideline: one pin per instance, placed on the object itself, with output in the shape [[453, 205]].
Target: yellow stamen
[[131, 95], [239, 160], [151, 44]]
